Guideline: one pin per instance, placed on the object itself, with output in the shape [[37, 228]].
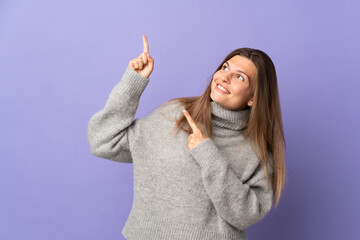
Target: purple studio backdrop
[[59, 61]]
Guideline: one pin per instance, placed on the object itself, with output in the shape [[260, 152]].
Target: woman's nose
[[226, 78]]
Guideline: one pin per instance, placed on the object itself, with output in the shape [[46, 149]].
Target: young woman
[[205, 167]]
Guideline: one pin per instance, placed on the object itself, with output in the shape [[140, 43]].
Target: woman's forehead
[[243, 64]]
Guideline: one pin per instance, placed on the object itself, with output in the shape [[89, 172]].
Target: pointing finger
[[145, 44], [191, 121]]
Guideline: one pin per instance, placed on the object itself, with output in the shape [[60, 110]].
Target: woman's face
[[237, 76]]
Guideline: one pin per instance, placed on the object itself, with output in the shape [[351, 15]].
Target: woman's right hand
[[144, 64]]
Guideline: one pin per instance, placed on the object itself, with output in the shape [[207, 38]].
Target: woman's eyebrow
[[239, 71]]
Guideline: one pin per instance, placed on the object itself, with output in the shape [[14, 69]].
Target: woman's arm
[[240, 204], [112, 129]]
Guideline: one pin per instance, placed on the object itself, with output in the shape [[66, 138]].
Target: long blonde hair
[[264, 128]]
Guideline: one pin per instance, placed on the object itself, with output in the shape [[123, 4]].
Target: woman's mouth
[[221, 89]]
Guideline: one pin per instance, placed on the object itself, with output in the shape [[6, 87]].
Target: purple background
[[59, 61]]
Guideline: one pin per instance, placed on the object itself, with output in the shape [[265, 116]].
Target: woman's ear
[[250, 103]]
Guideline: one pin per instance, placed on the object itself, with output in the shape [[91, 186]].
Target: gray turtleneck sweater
[[214, 191]]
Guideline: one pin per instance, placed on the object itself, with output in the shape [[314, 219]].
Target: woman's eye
[[241, 78]]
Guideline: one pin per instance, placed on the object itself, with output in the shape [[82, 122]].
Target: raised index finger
[[145, 44], [191, 121]]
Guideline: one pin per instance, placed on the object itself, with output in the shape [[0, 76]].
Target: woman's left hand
[[196, 137]]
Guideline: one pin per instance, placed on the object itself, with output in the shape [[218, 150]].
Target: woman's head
[[237, 76], [249, 77]]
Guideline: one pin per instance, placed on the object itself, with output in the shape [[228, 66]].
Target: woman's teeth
[[223, 89]]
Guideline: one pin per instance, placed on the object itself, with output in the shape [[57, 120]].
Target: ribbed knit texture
[[214, 191]]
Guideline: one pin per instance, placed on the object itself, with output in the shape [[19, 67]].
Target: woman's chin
[[216, 98]]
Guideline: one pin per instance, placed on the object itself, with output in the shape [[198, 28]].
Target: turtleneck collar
[[222, 117]]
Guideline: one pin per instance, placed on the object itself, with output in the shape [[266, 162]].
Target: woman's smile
[[221, 89]]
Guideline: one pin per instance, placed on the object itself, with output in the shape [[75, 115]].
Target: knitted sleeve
[[112, 130], [240, 204]]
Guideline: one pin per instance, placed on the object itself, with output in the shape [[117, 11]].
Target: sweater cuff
[[133, 82], [206, 153]]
